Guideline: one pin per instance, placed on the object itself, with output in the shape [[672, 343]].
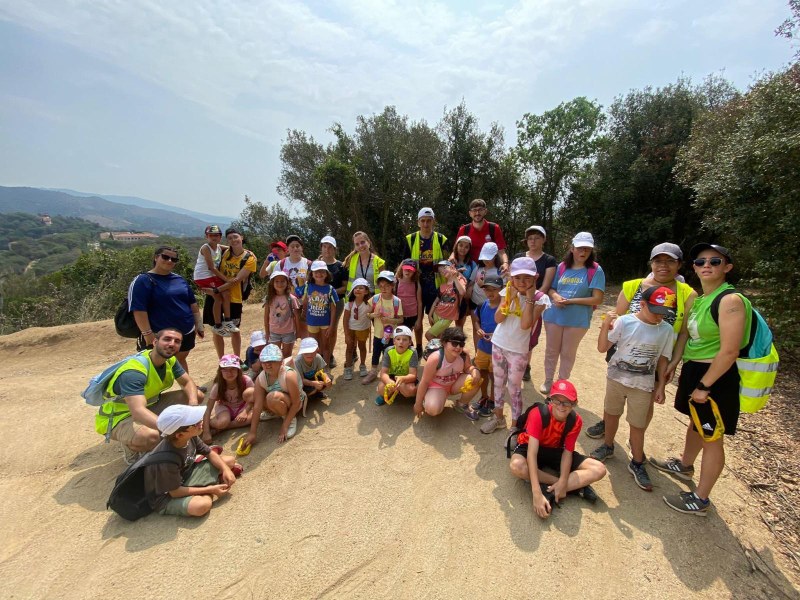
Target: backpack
[[246, 284], [522, 420], [758, 360], [491, 225], [395, 303], [124, 323], [94, 394], [128, 498]]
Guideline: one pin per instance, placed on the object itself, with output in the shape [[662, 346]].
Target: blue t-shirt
[[574, 283], [485, 314], [466, 269], [319, 298], [167, 300]]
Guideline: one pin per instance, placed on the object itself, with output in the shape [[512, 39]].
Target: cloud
[[653, 32]]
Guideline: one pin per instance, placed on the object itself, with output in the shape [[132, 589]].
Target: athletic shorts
[[639, 402], [361, 335], [317, 328], [439, 326], [550, 458], [208, 282], [203, 474], [483, 361], [410, 322], [725, 393], [208, 312]]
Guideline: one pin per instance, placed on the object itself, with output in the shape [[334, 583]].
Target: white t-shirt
[[295, 270], [478, 276], [359, 316], [639, 346], [509, 335], [201, 270]]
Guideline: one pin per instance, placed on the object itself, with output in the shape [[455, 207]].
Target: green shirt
[[704, 340]]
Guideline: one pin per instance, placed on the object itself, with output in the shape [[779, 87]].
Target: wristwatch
[[702, 387]]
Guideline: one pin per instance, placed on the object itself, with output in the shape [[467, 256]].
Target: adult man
[[481, 231], [136, 386], [427, 247]]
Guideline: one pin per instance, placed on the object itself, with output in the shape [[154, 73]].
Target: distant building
[[105, 235], [130, 236], [45, 219]]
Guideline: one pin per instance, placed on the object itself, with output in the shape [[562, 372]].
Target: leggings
[[508, 368], [562, 347]]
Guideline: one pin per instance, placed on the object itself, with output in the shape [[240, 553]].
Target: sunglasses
[[561, 403], [172, 259], [701, 262], [456, 344]]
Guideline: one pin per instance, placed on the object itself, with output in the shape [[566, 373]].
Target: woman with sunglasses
[[160, 298], [709, 345]]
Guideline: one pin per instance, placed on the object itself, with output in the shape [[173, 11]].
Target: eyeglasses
[[456, 343], [561, 403], [701, 262], [172, 259], [667, 262]]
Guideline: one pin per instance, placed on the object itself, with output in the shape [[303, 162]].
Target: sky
[[188, 102]]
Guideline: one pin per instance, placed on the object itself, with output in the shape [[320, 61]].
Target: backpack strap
[[571, 420], [491, 230], [562, 268], [714, 309], [467, 227], [716, 302], [441, 358]]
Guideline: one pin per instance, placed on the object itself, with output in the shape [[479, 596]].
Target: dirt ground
[[363, 503]]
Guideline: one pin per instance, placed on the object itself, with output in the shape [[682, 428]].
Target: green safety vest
[[399, 362], [414, 243], [377, 264]]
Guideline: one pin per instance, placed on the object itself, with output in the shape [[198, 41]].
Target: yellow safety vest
[[377, 264], [414, 244]]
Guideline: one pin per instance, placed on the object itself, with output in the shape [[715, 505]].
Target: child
[[207, 276], [550, 445], [445, 308], [399, 366], [230, 402], [484, 324], [356, 325], [188, 490], [409, 290], [462, 257], [644, 345], [319, 304], [445, 374], [281, 310], [488, 266], [521, 306], [257, 342], [387, 311], [308, 364]]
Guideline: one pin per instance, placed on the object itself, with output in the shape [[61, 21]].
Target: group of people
[[658, 322]]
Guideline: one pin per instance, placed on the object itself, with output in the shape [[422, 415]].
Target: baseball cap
[[409, 264], [278, 244], [176, 416], [562, 387], [426, 212], [360, 282], [660, 300], [213, 229], [533, 228], [523, 265], [270, 353], [328, 239], [444, 263], [464, 238], [583, 239], [307, 346], [319, 265], [672, 250], [277, 273], [488, 251], [293, 238], [257, 338], [387, 275], [698, 248], [401, 330], [230, 360], [493, 281]]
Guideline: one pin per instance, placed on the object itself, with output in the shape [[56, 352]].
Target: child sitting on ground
[[399, 368], [311, 367], [230, 402], [483, 322], [188, 490], [208, 278]]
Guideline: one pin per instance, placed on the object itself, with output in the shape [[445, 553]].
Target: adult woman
[[709, 345], [339, 282], [579, 285], [665, 260], [161, 298], [362, 262]]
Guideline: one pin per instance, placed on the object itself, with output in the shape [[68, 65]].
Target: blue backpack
[[95, 392]]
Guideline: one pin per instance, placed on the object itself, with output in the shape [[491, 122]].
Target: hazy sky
[[187, 102]]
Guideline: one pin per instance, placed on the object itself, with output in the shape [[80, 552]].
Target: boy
[[308, 363], [188, 490], [445, 308], [208, 278], [644, 346], [257, 342], [483, 324], [386, 313], [553, 447], [399, 367]]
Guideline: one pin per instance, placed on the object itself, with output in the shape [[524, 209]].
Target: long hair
[[222, 385], [569, 260], [271, 292], [353, 252]]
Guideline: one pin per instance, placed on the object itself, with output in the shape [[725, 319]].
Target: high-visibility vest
[[412, 239]]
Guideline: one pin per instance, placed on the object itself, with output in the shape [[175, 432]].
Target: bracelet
[[147, 332], [529, 301]]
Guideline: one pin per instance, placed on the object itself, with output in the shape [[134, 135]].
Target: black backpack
[[128, 498], [124, 323], [247, 285], [491, 225], [544, 411]]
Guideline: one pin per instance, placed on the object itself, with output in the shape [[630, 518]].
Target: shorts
[[317, 328], [361, 335], [725, 393], [282, 338], [208, 282], [439, 325], [483, 361], [463, 307], [550, 458], [125, 431], [187, 343], [233, 411], [208, 312], [202, 474], [639, 403], [410, 322]]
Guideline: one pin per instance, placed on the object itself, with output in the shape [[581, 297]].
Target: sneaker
[[362, 370], [129, 456], [237, 470], [370, 377], [267, 416], [221, 331], [292, 429], [487, 409], [379, 401], [588, 494], [333, 364], [545, 387], [602, 452], [527, 375], [466, 410], [230, 326], [550, 496], [640, 476], [673, 466], [348, 373], [493, 423], [597, 430], [689, 503], [216, 448]]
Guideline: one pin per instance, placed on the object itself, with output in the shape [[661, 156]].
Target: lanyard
[[361, 266]]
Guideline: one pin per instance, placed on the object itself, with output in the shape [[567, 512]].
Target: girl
[[386, 311], [319, 304], [362, 262], [409, 291], [522, 304], [488, 266], [327, 247], [230, 402], [445, 308], [445, 374], [281, 313], [462, 256], [356, 328], [578, 287], [208, 278]]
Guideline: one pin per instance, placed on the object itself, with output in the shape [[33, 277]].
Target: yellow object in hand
[[322, 376], [243, 449], [390, 392], [508, 306], [468, 386]]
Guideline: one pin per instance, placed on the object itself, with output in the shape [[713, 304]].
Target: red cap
[[278, 244], [562, 387], [661, 300]]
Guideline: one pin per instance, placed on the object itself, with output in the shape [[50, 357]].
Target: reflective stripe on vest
[[437, 251], [757, 376]]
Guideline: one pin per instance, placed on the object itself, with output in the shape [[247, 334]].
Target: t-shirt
[[296, 271], [639, 346], [232, 397], [449, 372], [131, 382], [550, 437], [359, 316], [485, 314], [480, 236], [509, 335], [162, 478], [385, 308], [229, 266], [306, 371], [281, 314], [479, 275], [574, 283], [167, 300], [338, 274], [407, 292], [413, 362], [449, 298], [544, 262], [319, 299]]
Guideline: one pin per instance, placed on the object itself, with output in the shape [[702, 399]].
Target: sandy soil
[[363, 502]]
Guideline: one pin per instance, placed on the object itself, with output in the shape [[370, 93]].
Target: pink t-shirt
[[231, 398], [407, 292], [449, 298], [449, 372], [281, 319]]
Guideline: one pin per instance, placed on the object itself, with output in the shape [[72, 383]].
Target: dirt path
[[363, 503]]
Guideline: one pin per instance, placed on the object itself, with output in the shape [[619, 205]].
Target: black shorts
[[725, 393], [463, 307], [208, 312], [550, 458], [410, 322], [428, 298], [187, 343]]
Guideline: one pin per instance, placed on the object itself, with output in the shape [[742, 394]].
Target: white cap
[[257, 338], [277, 273], [465, 238], [426, 212], [176, 416], [533, 228], [328, 239], [523, 265], [319, 265], [401, 330], [360, 282], [583, 239], [387, 275], [307, 346], [488, 251]]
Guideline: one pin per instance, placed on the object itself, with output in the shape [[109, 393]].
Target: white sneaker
[[230, 326], [292, 429], [362, 370], [545, 388], [348, 373], [267, 416], [492, 423], [221, 331]]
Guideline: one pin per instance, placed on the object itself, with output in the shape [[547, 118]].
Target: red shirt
[[480, 236], [550, 437]]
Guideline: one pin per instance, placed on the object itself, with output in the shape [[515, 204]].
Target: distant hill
[[110, 215]]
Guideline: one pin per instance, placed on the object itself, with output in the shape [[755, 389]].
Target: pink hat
[[230, 360], [523, 266]]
